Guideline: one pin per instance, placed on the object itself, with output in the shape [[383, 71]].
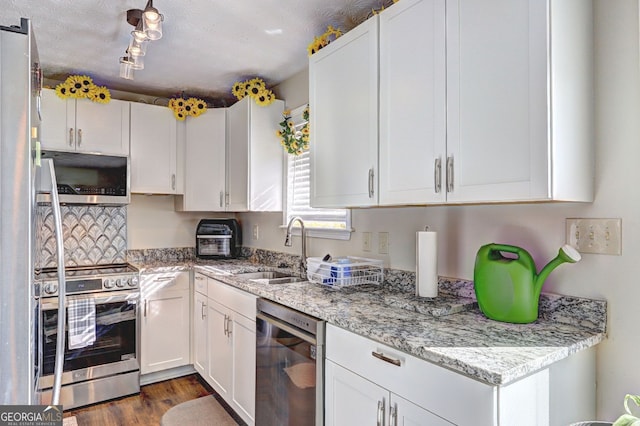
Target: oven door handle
[[307, 337], [110, 298]]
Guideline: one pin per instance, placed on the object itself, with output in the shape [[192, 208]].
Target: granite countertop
[[449, 330]]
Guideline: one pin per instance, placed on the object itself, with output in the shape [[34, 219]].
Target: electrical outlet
[[366, 241], [599, 236], [256, 232], [383, 242]]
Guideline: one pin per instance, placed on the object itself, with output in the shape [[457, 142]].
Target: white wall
[[537, 227], [152, 222], [540, 228]]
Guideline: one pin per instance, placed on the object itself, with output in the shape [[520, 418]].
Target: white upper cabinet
[[412, 102], [520, 100], [153, 149], [343, 104], [83, 125], [204, 162], [479, 102], [254, 157]]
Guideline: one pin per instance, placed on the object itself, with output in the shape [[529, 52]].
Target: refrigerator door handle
[[47, 167]]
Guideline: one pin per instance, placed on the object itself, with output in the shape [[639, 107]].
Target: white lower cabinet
[[165, 322], [228, 363], [371, 383], [352, 399], [199, 350]]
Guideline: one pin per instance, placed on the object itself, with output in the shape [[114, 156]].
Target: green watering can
[[507, 288]]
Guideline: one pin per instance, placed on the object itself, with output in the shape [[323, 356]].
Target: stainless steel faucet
[[303, 234]]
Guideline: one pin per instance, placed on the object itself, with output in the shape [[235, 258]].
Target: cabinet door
[[200, 333], [220, 365], [165, 326], [153, 149], [238, 155], [102, 128], [351, 399], [244, 366], [266, 156], [406, 413], [205, 162], [343, 98], [412, 102], [497, 100], [58, 122]]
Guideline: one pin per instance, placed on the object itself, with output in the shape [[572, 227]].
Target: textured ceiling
[[207, 44]]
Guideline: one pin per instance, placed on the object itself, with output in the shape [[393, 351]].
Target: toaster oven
[[218, 238]]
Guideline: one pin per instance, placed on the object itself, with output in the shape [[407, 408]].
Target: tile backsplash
[[93, 235]]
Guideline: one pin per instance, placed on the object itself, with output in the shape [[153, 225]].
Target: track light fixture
[[147, 25]]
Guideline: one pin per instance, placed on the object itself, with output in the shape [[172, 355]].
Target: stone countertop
[[448, 331]]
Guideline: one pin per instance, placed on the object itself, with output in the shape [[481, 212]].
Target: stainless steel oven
[[105, 364], [289, 367]]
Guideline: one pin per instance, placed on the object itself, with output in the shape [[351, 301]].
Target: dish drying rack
[[344, 271]]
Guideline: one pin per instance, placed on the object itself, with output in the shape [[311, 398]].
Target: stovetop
[[88, 279]]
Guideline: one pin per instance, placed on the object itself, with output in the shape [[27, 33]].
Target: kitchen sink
[[269, 277]]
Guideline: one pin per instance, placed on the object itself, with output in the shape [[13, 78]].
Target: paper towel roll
[[426, 264]]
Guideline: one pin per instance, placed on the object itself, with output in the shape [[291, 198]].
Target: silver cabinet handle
[[371, 176], [225, 326], [203, 312], [145, 307], [173, 181], [199, 278], [449, 174], [79, 137], [385, 358], [437, 175], [380, 420], [221, 198], [393, 415], [71, 136], [161, 279]]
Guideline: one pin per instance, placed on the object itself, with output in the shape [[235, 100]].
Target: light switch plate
[[383, 242], [366, 241], [598, 236], [256, 232]]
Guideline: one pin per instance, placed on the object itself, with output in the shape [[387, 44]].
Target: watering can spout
[[566, 254]]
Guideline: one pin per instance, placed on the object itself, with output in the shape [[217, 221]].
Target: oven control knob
[[120, 282], [133, 282], [51, 288], [109, 283]]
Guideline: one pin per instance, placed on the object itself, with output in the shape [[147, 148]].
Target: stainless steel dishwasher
[[289, 366]]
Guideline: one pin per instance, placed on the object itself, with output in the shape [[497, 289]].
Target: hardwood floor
[[148, 407]]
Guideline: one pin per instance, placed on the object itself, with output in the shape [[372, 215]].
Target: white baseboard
[[172, 373]]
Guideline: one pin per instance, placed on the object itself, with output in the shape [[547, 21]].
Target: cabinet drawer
[[200, 283], [163, 281], [233, 298], [432, 387]]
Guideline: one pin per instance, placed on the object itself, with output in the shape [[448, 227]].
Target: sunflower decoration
[[254, 88], [294, 141], [82, 86], [182, 108], [323, 40]]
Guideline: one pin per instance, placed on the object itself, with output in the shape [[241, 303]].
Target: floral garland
[[323, 40], [294, 142], [187, 107], [256, 89], [82, 86]]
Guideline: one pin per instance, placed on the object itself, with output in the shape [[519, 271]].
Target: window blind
[[299, 195]]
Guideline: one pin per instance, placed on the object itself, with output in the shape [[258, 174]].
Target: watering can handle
[[506, 248]]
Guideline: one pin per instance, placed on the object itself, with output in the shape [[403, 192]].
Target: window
[[324, 223]]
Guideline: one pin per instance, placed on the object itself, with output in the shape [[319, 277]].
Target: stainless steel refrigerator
[[21, 172]]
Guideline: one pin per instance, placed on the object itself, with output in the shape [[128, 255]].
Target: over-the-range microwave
[[91, 178]]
